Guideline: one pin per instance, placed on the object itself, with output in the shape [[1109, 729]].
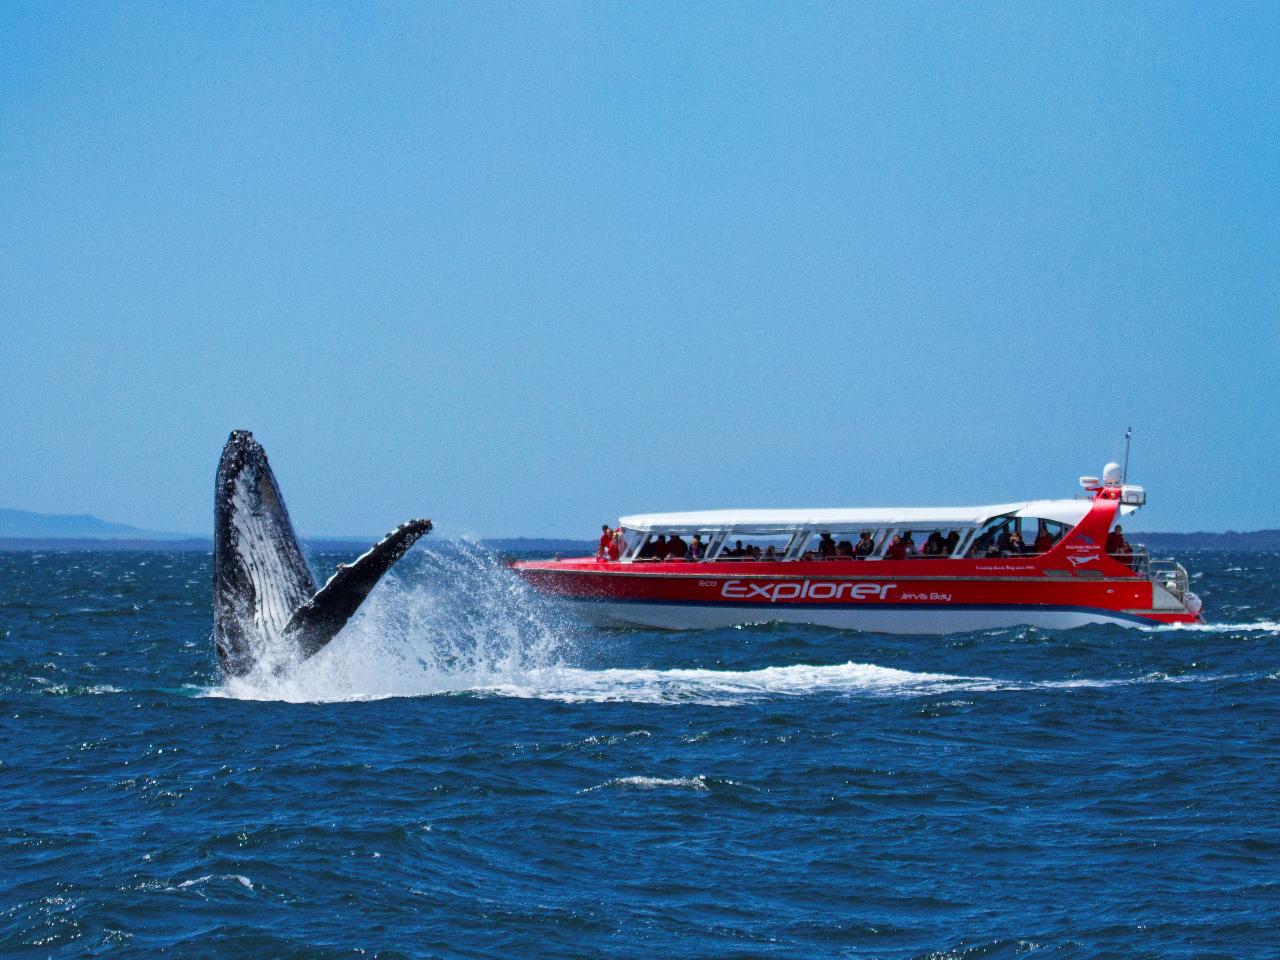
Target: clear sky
[[525, 267]]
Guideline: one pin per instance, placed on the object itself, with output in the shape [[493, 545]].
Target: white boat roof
[[1069, 512]]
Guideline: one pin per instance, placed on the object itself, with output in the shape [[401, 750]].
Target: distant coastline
[[520, 545], [23, 531]]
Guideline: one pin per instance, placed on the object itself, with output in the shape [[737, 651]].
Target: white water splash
[[455, 620], [729, 687], [697, 784], [1257, 626], [198, 882]]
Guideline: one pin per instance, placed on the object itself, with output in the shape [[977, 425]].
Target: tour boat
[[1071, 568]]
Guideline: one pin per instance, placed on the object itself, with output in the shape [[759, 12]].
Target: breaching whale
[[263, 591]]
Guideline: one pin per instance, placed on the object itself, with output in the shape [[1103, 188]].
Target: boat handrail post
[[881, 538], [796, 544], [715, 544]]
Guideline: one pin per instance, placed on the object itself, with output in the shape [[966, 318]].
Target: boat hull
[[915, 597], [880, 619]]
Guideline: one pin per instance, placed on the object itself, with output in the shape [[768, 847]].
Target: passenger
[[826, 546], [697, 549], [844, 550], [606, 538], [649, 550], [910, 545], [770, 553], [1118, 546], [676, 548], [933, 546], [897, 549], [953, 541], [866, 546], [1016, 546], [661, 548], [617, 545], [1044, 539], [1002, 541], [981, 546], [738, 550]]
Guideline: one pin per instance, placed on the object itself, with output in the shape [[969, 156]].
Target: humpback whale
[[264, 597]]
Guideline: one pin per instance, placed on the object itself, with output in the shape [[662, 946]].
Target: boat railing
[[1137, 557], [1171, 575]]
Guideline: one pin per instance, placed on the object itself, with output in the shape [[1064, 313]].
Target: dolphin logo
[[263, 591]]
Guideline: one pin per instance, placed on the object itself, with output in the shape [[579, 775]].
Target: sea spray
[[452, 618]]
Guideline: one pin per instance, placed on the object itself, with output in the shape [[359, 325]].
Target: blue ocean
[[469, 771]]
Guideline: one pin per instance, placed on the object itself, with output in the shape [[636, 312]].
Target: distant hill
[[1231, 540], [28, 525], [23, 530], [26, 531]]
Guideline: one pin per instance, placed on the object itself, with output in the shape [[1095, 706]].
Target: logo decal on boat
[[804, 590], [1084, 556]]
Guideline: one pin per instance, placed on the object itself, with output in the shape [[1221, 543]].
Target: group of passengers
[[659, 547], [829, 549], [1005, 541], [935, 545], [749, 552]]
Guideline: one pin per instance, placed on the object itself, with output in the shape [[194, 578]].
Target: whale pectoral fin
[[318, 620]]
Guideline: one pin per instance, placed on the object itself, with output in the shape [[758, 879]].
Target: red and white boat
[[973, 577]]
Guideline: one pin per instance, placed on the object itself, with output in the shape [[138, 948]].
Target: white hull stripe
[[771, 611]]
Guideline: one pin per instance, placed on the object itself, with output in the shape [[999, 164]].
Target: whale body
[[265, 601]]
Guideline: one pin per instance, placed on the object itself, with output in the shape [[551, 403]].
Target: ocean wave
[[1255, 626], [195, 884], [697, 784]]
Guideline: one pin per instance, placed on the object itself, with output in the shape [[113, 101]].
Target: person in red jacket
[[897, 549], [606, 538], [616, 545], [1119, 548], [1044, 539]]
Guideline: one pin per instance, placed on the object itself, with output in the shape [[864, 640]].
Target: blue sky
[[526, 267]]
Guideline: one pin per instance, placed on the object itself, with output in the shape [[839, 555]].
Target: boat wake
[[731, 687], [1256, 626]]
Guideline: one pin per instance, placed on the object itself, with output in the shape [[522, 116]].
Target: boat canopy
[[1069, 512]]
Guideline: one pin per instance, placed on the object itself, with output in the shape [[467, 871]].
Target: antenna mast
[[1128, 438]]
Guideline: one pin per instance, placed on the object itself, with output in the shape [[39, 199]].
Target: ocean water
[[470, 772]]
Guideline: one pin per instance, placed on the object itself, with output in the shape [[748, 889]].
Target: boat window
[[633, 540], [986, 543], [928, 543], [753, 546], [672, 545], [836, 544], [1040, 535], [1008, 535]]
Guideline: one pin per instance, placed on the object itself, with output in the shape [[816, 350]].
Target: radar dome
[[1111, 473]]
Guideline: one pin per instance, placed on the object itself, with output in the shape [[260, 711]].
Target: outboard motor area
[[1170, 587]]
